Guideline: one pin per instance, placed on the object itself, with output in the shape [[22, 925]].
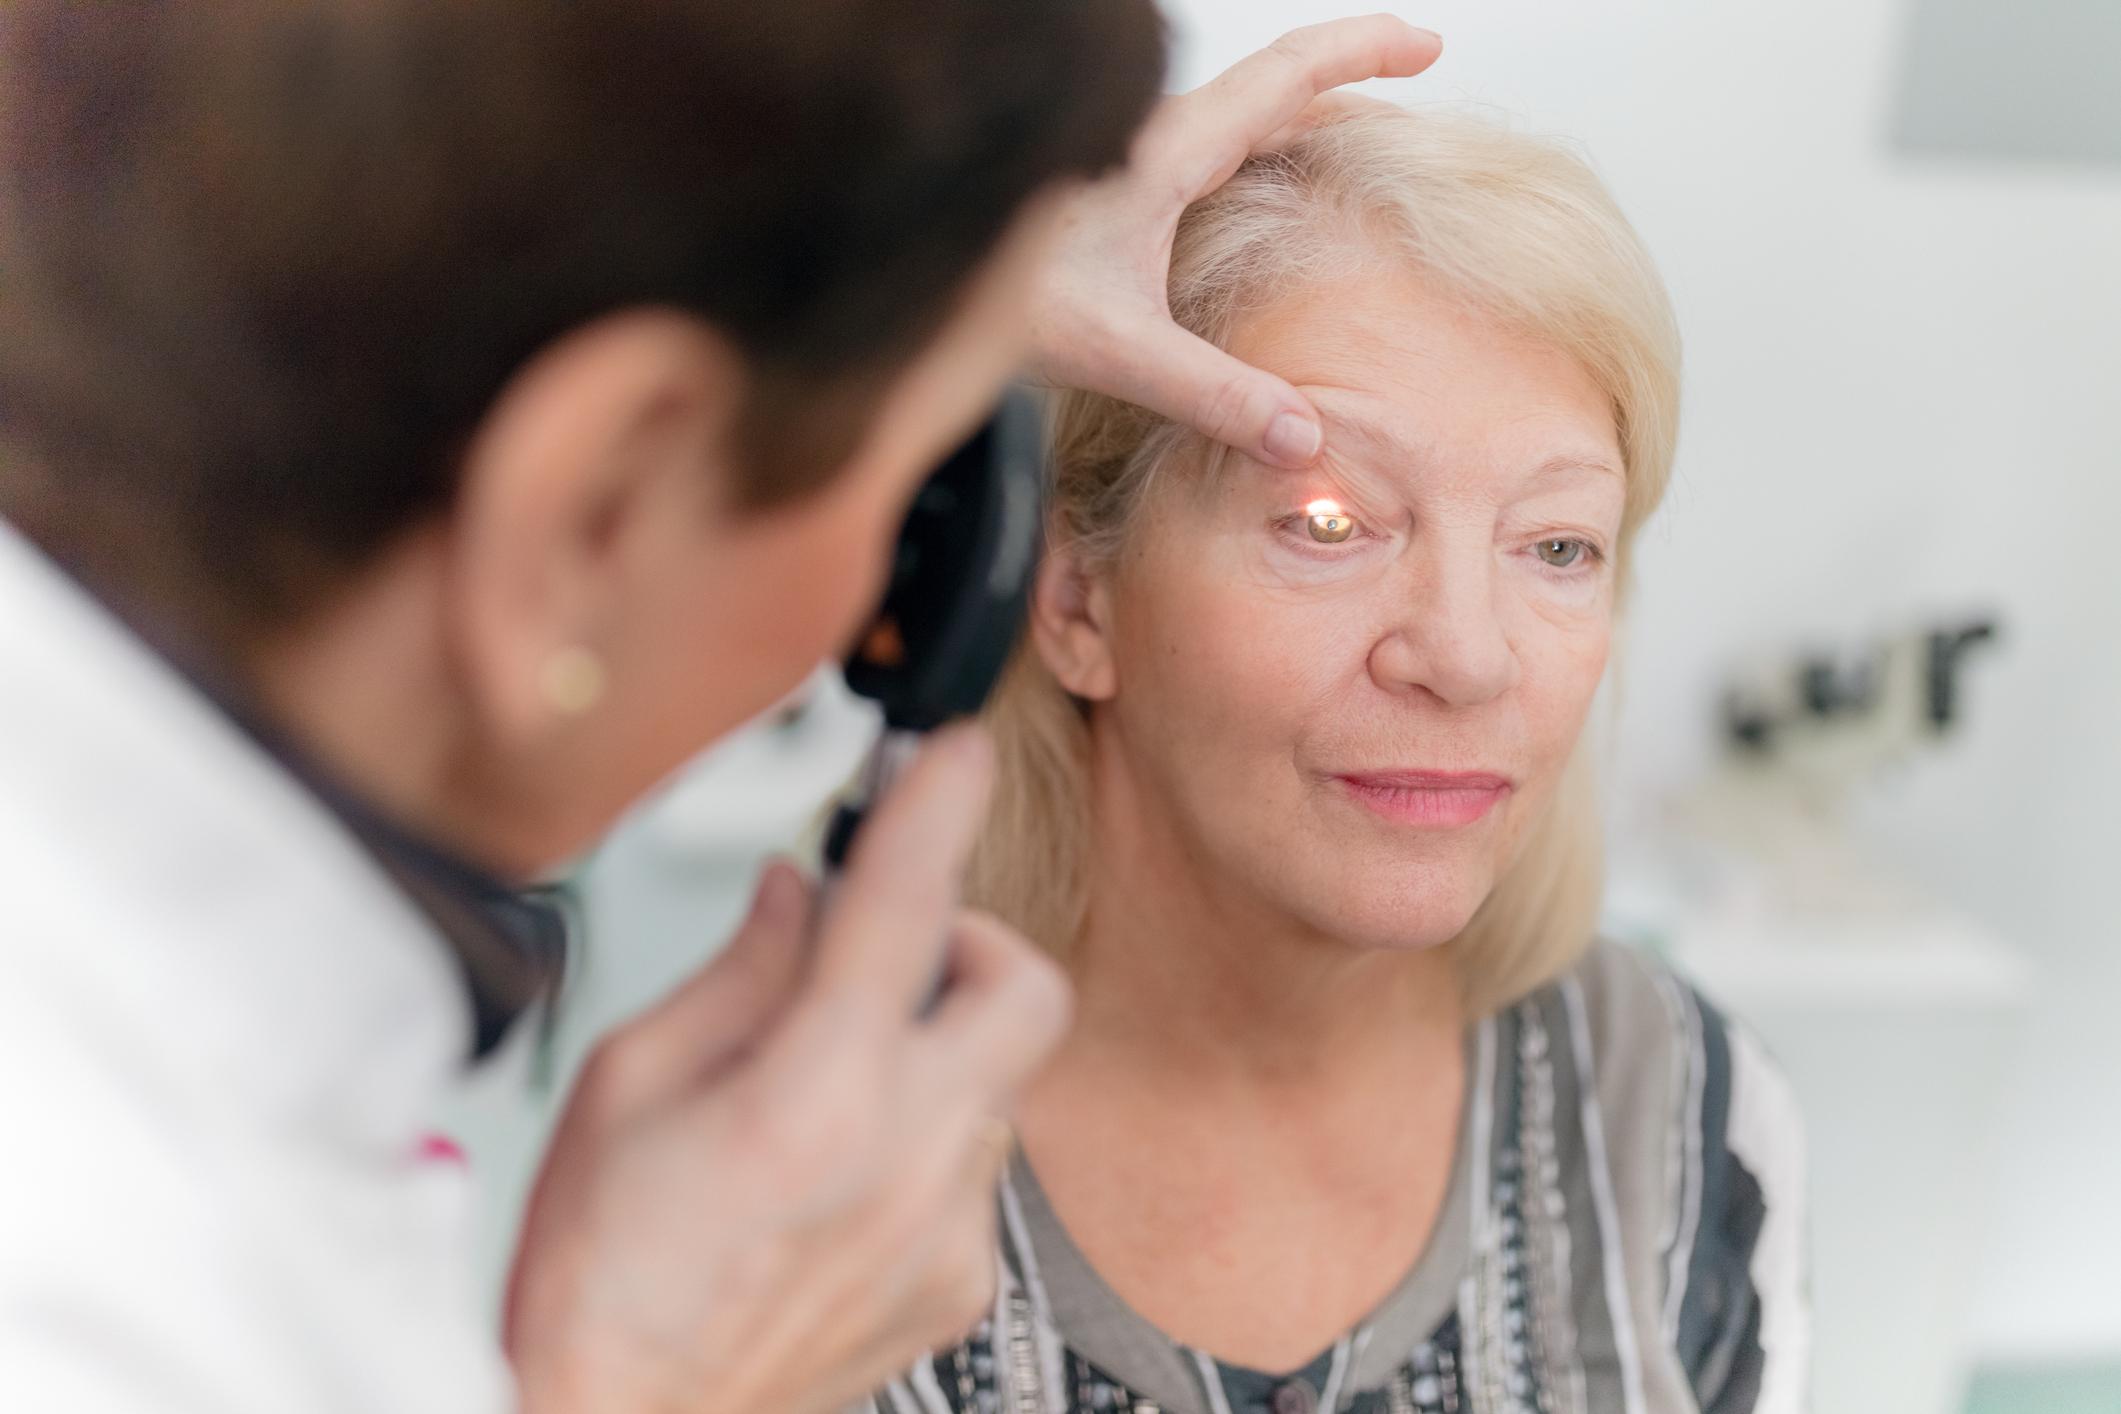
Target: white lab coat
[[223, 1037]]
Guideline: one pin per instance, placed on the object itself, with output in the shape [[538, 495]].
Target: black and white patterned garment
[[1622, 1235]]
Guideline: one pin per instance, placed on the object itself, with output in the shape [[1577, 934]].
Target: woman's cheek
[[1248, 652], [1244, 621], [1571, 621], [1563, 662], [1572, 597], [1179, 625], [1289, 571]]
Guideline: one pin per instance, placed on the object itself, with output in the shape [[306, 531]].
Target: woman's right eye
[[1328, 523]]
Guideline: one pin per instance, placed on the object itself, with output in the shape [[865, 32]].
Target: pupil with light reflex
[[1328, 522]]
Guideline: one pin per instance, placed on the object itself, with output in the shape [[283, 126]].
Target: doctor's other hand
[[1102, 315], [776, 1190]]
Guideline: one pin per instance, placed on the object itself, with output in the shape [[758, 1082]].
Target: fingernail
[[1418, 29], [1293, 438]]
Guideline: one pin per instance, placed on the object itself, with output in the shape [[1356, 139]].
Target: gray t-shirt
[[1622, 1234]]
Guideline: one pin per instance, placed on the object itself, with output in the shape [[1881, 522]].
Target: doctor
[[423, 427]]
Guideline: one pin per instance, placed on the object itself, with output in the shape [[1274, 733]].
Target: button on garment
[[1294, 1397]]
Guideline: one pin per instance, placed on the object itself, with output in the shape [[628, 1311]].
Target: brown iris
[[1328, 522]]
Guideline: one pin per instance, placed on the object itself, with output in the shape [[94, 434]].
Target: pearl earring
[[573, 681]]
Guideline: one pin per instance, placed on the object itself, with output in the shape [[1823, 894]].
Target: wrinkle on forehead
[[1378, 462], [1411, 379]]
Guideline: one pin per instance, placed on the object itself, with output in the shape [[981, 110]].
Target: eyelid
[[1331, 494], [1363, 494], [1591, 536]]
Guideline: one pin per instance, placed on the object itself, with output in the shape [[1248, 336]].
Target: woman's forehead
[[1536, 440], [1401, 373]]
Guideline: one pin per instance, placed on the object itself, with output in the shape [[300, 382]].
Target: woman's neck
[[1199, 977], [1250, 1131]]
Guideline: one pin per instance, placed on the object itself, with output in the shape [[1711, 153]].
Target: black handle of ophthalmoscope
[[960, 584]]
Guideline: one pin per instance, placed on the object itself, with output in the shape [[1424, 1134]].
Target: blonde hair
[[1514, 227]]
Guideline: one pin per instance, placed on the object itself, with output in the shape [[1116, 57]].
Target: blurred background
[[1865, 746]]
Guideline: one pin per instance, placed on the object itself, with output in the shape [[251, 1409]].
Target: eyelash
[[1293, 528]]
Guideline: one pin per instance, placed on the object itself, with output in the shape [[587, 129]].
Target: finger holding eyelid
[[1339, 474]]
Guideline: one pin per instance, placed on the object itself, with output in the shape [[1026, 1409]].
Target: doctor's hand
[[776, 1191], [1102, 316]]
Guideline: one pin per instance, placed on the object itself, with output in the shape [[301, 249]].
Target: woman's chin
[[1397, 898], [1394, 916]]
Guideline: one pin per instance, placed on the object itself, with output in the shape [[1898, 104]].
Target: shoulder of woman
[[1654, 1038], [1700, 1149], [1676, 1078]]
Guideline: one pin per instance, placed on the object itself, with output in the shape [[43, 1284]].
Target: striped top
[[1622, 1234]]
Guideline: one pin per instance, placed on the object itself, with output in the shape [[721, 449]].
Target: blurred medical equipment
[[1825, 715], [1895, 1018]]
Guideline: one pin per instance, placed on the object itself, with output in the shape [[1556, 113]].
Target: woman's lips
[[1436, 800]]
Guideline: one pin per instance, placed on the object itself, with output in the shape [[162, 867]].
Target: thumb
[[1189, 380]]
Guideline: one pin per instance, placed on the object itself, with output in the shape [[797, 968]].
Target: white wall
[[1902, 382]]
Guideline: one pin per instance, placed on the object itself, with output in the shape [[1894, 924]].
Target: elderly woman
[[1294, 778]]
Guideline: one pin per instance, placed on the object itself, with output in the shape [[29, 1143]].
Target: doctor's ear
[[1071, 616], [590, 498]]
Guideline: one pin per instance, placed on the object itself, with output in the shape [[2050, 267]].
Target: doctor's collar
[[510, 943]]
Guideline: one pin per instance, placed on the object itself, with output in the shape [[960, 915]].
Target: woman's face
[[1343, 694]]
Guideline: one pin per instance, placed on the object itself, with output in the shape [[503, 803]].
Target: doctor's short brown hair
[[264, 264]]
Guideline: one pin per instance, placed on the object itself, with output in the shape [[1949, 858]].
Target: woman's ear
[[1071, 625]]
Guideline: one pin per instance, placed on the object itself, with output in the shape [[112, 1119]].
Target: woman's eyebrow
[[1366, 430], [1577, 463], [1379, 437]]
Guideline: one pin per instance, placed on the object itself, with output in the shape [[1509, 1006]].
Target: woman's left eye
[[1564, 554]]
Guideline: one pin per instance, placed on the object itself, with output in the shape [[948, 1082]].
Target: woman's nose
[[1445, 635]]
